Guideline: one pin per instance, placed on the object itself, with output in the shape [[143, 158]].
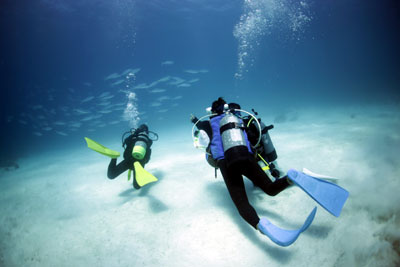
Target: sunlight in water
[[131, 112], [265, 17]]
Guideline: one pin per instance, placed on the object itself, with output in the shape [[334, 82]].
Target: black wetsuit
[[203, 125], [115, 169], [234, 182], [233, 177]]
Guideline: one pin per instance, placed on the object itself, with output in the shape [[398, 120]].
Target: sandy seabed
[[59, 209]]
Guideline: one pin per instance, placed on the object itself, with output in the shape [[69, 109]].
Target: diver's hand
[[193, 118]]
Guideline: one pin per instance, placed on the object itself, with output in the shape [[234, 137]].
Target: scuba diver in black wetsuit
[[137, 153], [234, 145], [231, 151], [231, 148], [137, 149]]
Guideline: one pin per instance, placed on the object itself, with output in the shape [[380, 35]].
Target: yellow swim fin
[[93, 145], [142, 176], [129, 174]]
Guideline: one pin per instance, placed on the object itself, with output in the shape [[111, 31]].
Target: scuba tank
[[140, 147], [266, 152], [269, 152], [234, 141], [139, 142]]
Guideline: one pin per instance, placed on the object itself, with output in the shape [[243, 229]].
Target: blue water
[[325, 73], [175, 57]]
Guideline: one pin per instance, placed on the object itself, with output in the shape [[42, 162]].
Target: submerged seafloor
[[59, 208]]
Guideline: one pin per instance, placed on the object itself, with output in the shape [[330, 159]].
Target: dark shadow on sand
[[222, 199], [281, 254], [156, 205]]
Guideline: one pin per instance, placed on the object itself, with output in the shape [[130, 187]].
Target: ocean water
[[326, 74]]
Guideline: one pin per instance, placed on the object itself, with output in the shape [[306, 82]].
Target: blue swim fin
[[330, 196], [281, 236]]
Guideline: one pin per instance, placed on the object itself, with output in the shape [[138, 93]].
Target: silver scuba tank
[[140, 148], [231, 134], [266, 140], [269, 149]]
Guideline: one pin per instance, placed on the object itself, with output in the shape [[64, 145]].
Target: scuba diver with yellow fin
[[136, 154], [235, 155]]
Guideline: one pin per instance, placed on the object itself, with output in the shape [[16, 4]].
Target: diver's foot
[[274, 170], [135, 184], [275, 173], [281, 236]]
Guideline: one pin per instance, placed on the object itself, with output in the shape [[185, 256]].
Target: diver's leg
[[235, 185], [114, 170], [254, 172]]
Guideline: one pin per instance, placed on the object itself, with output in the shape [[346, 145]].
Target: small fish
[[107, 97], [154, 83], [162, 98], [191, 71], [167, 62], [112, 76], [118, 82], [87, 118], [177, 81], [104, 94], [81, 111], [194, 80], [155, 104], [61, 133], [75, 124], [87, 99], [157, 90], [141, 86], [130, 71], [164, 79], [196, 71]]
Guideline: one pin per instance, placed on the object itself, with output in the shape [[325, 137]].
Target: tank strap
[[231, 125]]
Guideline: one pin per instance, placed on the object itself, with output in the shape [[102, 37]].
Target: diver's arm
[[205, 126], [115, 170], [193, 118]]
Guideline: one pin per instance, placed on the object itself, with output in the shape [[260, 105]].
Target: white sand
[[61, 210]]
